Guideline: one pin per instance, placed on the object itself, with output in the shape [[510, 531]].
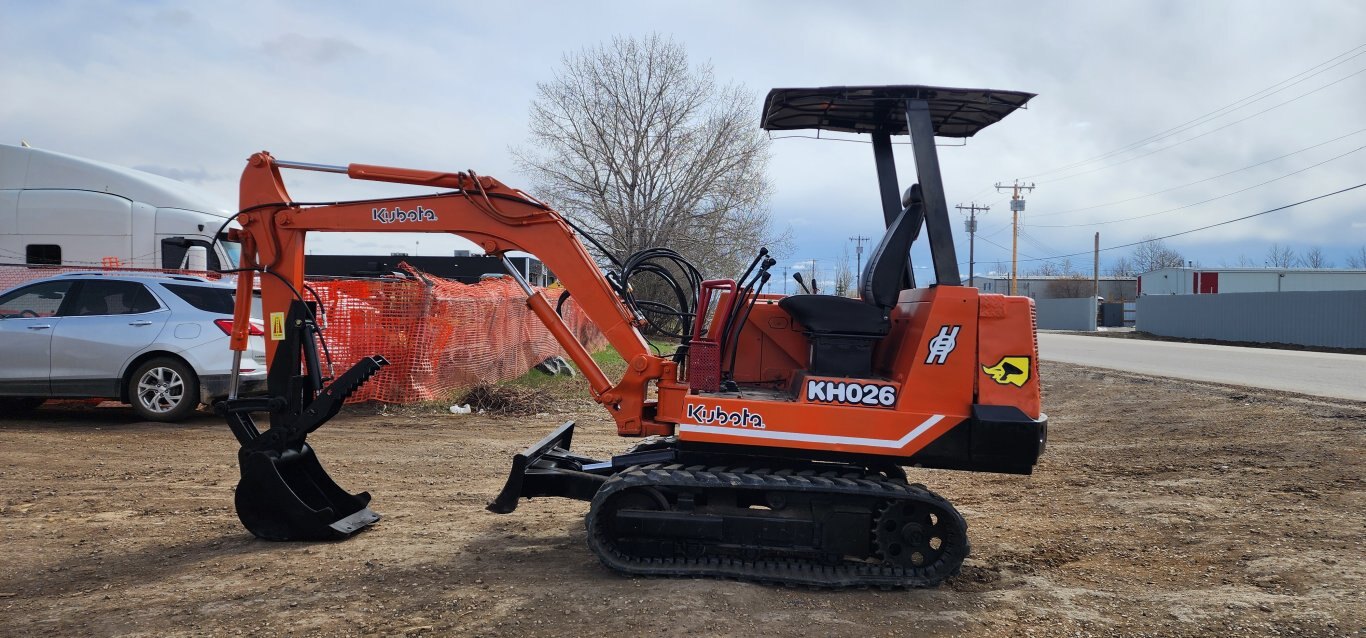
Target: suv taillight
[[255, 328]]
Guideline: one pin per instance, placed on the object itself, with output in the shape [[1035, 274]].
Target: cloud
[[310, 50]]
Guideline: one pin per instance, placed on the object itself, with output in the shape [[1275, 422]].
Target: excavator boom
[[482, 209]]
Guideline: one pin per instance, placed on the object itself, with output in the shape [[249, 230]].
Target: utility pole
[[784, 280], [1017, 205], [814, 289], [972, 237], [1096, 273], [858, 252]]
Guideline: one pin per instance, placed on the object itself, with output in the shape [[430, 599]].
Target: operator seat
[[842, 331]]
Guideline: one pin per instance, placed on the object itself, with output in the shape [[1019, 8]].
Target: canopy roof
[[869, 109]]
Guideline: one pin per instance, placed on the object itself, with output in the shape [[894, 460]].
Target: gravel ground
[[1162, 508]]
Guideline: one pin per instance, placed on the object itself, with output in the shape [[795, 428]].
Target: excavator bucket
[[284, 493], [289, 497]]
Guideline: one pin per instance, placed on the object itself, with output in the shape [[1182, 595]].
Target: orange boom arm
[[481, 209]]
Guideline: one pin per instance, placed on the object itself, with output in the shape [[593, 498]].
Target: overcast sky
[[190, 90]]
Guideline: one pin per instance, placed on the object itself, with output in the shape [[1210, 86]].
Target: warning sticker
[[277, 326], [1009, 371]]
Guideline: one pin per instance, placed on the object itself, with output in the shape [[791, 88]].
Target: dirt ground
[[1161, 508]]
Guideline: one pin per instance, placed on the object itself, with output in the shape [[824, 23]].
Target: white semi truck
[[57, 209]]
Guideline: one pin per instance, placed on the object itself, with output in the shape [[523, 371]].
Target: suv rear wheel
[[163, 389]]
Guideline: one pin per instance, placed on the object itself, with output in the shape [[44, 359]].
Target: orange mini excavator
[[777, 432]]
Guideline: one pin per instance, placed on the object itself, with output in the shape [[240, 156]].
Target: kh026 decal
[[850, 393]]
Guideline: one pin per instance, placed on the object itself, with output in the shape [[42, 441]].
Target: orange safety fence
[[440, 336]]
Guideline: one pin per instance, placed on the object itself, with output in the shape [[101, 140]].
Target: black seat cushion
[[885, 272], [836, 315]]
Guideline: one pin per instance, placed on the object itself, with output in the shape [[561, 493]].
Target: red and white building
[[1205, 281]]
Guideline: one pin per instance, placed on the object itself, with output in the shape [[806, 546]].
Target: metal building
[[1058, 287], [1203, 281]]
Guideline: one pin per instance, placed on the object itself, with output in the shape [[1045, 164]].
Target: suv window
[[41, 300], [112, 298], [206, 298]]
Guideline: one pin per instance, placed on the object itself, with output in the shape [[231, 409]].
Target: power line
[[1219, 112], [1215, 225], [1207, 179], [1350, 54], [1005, 227], [1007, 248], [1209, 132], [1036, 242], [1205, 201]]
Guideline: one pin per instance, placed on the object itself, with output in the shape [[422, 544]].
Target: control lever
[[798, 277]]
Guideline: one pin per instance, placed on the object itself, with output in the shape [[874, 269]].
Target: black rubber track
[[871, 571]]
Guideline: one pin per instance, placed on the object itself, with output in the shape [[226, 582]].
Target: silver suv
[[159, 342]]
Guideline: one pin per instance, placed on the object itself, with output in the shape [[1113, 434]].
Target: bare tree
[[1072, 286], [1244, 261], [1153, 254], [1121, 267], [1279, 256], [1046, 269], [1357, 259], [844, 275], [645, 150], [1314, 258]]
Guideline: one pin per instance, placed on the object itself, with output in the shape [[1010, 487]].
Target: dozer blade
[[548, 468], [289, 497]]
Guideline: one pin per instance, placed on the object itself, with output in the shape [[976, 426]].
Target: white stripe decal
[[814, 438]]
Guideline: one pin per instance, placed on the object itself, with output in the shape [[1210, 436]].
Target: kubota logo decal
[[720, 416], [875, 394], [1009, 371], [386, 216]]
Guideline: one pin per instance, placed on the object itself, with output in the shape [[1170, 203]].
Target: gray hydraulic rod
[[306, 166], [236, 371], [517, 276]]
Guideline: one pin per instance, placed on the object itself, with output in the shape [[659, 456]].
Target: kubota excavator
[[777, 432]]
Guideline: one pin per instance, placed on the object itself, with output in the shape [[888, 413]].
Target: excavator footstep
[[290, 497]]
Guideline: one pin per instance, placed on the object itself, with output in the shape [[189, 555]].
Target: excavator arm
[[479, 208]]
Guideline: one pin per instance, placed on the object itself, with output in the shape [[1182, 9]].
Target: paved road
[[1341, 376]]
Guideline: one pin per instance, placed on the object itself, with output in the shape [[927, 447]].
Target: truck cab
[[58, 209]]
